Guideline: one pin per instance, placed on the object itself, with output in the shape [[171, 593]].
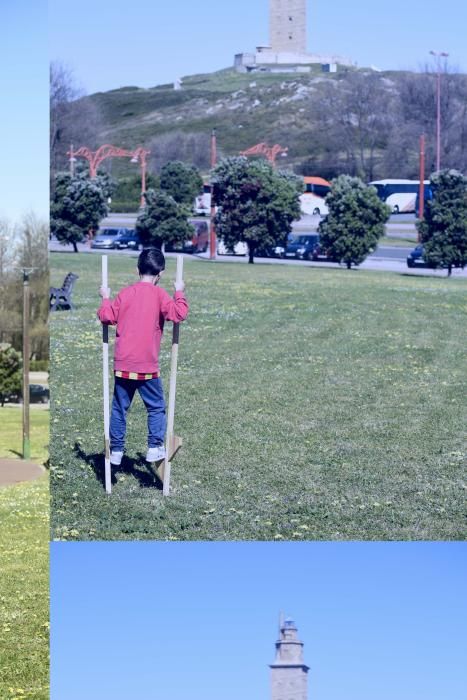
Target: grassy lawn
[[398, 242], [11, 435], [313, 403], [24, 591]]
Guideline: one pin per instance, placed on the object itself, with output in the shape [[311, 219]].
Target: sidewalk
[[14, 471]]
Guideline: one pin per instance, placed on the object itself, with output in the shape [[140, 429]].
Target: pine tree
[[163, 221], [355, 223], [444, 229], [256, 204], [77, 207]]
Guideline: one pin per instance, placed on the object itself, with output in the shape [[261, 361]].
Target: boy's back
[[139, 312]]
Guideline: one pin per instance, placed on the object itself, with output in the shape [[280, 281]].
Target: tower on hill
[[287, 52], [287, 26], [289, 673]]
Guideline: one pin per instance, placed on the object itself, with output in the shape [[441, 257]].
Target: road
[[399, 225]]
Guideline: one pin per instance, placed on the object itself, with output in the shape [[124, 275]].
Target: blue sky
[[24, 119], [179, 621], [146, 42]]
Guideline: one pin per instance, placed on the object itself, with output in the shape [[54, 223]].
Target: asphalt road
[[385, 258]]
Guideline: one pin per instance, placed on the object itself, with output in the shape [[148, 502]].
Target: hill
[[356, 121]]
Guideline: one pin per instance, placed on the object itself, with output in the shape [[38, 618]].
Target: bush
[[355, 222], [39, 365]]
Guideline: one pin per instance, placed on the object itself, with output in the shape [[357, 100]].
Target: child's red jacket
[[139, 312]]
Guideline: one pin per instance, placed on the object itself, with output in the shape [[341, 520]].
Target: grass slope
[[24, 591], [11, 437], [314, 404], [244, 109]]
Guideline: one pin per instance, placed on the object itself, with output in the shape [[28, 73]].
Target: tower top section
[[289, 648], [287, 26]]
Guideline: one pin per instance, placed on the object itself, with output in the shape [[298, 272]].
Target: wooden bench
[[60, 297]]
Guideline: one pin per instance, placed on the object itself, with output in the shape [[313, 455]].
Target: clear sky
[[113, 43], [190, 621], [24, 118]]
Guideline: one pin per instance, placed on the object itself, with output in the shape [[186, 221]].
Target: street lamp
[[26, 346], [438, 55]]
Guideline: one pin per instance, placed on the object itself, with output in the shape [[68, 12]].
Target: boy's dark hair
[[151, 261]]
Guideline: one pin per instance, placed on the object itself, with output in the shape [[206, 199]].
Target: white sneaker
[[116, 458], [155, 454]]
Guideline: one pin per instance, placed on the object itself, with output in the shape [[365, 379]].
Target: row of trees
[[79, 204], [257, 204]]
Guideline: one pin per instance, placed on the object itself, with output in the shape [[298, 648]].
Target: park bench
[[60, 297]]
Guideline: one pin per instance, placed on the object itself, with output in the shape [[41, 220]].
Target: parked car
[[322, 254], [107, 237], [37, 394], [197, 244], [415, 257], [299, 246], [241, 248], [128, 240]]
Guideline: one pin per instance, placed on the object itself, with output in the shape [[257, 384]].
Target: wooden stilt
[[105, 385], [170, 442]]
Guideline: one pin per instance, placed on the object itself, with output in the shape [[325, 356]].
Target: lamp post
[[95, 158], [140, 155], [26, 293], [438, 55], [72, 161], [212, 229]]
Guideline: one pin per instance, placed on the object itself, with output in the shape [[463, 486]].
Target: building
[[287, 26], [287, 49], [289, 673]]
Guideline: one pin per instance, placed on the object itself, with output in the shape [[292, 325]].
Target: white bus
[[312, 200], [400, 195], [202, 204]]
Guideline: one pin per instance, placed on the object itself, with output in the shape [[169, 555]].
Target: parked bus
[[202, 205], [312, 200], [400, 195]]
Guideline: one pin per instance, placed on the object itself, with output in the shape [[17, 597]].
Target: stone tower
[[287, 26], [289, 672]]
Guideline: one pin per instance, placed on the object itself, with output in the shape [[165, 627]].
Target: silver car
[[106, 238]]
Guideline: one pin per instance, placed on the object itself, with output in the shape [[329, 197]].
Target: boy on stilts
[[139, 312]]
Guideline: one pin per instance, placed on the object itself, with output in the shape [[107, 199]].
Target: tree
[[444, 229], [182, 182], [256, 204], [8, 250], [355, 221], [189, 147], [33, 237], [10, 371], [162, 221], [74, 119], [127, 194], [354, 120], [78, 205]]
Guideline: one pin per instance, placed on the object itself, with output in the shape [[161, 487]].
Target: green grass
[[314, 404], [11, 435], [398, 242], [24, 591]]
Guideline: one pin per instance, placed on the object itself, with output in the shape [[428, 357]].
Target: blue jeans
[[152, 394]]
